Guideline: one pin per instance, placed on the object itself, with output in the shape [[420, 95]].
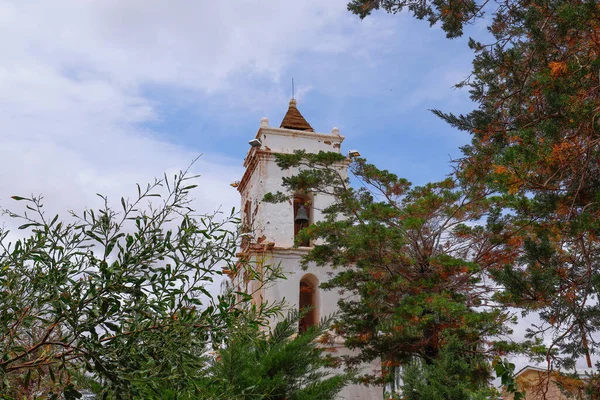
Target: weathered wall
[[275, 222]]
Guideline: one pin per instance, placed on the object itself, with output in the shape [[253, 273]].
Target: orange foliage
[[569, 383], [561, 152], [365, 337], [377, 274], [500, 169], [557, 68], [390, 363]]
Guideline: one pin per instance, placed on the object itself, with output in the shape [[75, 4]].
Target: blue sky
[[379, 94], [97, 95]]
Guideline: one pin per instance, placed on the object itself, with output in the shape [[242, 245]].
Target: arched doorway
[[308, 300]]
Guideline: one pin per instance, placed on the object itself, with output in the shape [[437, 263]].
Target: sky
[[97, 95]]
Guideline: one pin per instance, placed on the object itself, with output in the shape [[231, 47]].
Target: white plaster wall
[[361, 392], [280, 140], [289, 289], [275, 221]]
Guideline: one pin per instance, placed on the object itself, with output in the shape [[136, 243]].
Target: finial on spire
[[293, 91], [292, 102]]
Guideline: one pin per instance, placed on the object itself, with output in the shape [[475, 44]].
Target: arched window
[[309, 302], [302, 215]]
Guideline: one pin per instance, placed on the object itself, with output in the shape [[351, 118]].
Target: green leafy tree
[[412, 263], [116, 299], [276, 365], [535, 143], [444, 379]]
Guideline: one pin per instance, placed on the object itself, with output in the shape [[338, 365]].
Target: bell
[[301, 216]]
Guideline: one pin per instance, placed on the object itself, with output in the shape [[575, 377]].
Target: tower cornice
[[294, 132], [326, 141]]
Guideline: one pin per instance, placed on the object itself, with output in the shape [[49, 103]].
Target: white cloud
[[73, 73], [190, 44]]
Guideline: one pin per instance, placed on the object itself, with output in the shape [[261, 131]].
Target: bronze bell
[[301, 216]]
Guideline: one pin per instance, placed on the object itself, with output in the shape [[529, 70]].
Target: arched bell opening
[[308, 302], [302, 216]]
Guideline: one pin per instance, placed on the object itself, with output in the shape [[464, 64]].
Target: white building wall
[[275, 222], [289, 289]]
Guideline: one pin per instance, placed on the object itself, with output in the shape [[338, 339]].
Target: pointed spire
[[294, 120]]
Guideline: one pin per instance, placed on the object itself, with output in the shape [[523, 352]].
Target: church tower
[[274, 226]]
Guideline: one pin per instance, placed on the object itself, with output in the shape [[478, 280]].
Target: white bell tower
[[275, 225]]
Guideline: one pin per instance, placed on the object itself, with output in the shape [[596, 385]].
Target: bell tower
[[273, 227]]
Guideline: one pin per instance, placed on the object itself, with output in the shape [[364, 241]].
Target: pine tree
[[447, 378], [276, 365], [536, 146], [411, 263]]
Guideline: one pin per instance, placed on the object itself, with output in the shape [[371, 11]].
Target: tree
[[541, 145], [452, 14], [535, 142], [444, 379], [116, 300], [276, 365], [412, 263]]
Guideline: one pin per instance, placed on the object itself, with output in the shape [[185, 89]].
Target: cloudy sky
[[96, 95]]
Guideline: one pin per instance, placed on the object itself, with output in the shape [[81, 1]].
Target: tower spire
[[294, 120]]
